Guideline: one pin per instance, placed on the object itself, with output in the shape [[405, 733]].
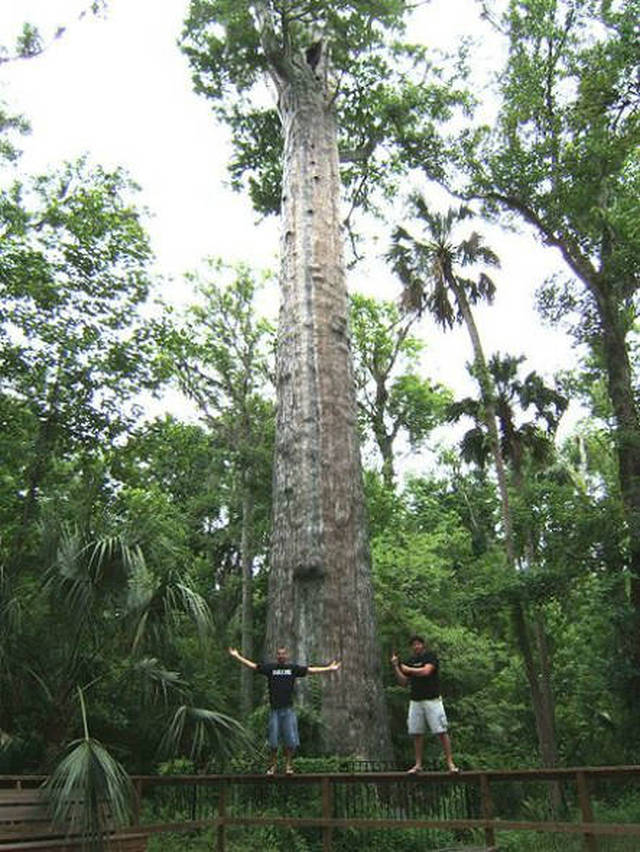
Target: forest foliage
[[121, 534]]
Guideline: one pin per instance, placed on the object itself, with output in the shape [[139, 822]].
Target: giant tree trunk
[[320, 593]]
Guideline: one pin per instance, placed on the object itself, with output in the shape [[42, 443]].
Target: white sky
[[119, 89]]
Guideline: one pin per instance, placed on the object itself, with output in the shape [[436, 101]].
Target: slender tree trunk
[[548, 702], [246, 558], [385, 446], [541, 690], [320, 593], [543, 711], [627, 441], [542, 708], [488, 402], [614, 326], [44, 447]]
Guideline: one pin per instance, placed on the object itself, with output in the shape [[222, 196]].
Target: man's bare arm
[[245, 662], [418, 671], [402, 679], [333, 666]]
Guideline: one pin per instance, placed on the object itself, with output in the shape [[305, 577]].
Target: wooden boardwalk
[[465, 811]]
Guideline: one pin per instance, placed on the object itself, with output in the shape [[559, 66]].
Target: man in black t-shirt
[[421, 674], [283, 722]]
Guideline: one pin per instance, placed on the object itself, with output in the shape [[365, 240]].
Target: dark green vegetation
[[134, 550]]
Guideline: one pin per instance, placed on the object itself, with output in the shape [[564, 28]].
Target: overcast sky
[[119, 89]]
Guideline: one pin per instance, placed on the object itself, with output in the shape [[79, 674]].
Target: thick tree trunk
[[320, 594]]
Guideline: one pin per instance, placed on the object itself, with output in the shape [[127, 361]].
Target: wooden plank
[[348, 777], [590, 841], [487, 809], [20, 794], [119, 843], [613, 829], [327, 801], [27, 829], [24, 813]]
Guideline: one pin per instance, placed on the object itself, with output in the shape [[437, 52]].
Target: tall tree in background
[[527, 447], [392, 398], [221, 357], [321, 601], [73, 261], [428, 269], [562, 156]]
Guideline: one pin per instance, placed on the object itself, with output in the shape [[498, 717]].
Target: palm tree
[[519, 441], [111, 612], [427, 269], [522, 443], [89, 791]]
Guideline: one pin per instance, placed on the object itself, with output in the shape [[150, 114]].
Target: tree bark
[[627, 442], [246, 558], [320, 594], [541, 699], [542, 703], [609, 296], [488, 401]]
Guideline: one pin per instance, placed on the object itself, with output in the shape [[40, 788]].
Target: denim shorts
[[283, 728]]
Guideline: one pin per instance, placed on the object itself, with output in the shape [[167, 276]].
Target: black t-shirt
[[424, 687], [281, 677]]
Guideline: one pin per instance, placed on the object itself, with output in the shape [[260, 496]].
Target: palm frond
[[438, 301], [84, 570], [197, 608], [482, 289], [467, 407], [412, 298], [140, 630], [475, 448], [89, 791], [155, 677], [473, 250], [198, 731], [162, 603]]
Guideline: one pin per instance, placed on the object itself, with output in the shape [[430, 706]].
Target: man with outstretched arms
[[283, 722]]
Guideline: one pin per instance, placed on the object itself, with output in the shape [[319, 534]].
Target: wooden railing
[[478, 805]]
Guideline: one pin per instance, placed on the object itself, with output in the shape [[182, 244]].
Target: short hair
[[417, 639]]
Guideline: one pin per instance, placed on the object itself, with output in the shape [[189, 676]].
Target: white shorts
[[429, 712]]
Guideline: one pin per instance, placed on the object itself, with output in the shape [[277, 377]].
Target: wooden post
[[221, 816], [487, 809], [137, 799], [327, 830], [590, 840]]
